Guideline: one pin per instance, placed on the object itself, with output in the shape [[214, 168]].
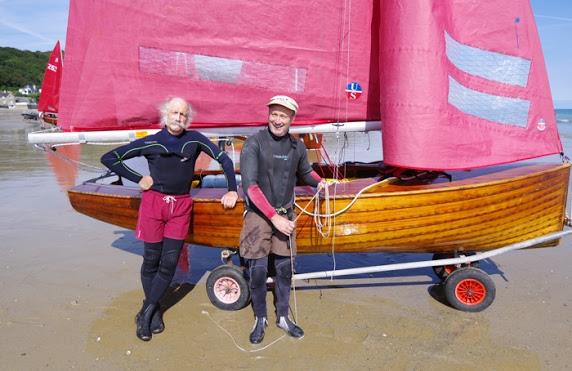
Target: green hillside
[[21, 67]]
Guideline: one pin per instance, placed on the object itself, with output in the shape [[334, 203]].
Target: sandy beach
[[69, 289]]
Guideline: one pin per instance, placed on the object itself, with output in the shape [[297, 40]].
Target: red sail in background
[[226, 57], [464, 84], [50, 95]]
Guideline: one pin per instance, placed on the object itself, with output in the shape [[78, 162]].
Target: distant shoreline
[[17, 109]]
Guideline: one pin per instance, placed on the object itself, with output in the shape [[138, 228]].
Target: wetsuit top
[[171, 160], [270, 166]]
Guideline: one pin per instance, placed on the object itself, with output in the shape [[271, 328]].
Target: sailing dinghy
[[48, 103], [460, 89]]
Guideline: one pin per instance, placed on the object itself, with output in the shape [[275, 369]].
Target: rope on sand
[[234, 341]]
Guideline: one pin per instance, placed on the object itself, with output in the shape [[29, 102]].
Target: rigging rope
[[339, 154], [51, 150], [293, 282]]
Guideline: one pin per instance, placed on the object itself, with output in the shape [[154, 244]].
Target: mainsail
[[50, 95], [457, 84], [226, 57]]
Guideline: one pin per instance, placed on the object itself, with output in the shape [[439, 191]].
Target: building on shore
[[29, 89], [7, 100], [25, 103]]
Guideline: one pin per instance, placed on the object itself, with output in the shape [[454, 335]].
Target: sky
[[38, 24]]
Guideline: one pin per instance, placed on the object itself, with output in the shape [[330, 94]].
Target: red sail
[[226, 57], [464, 84], [50, 95]]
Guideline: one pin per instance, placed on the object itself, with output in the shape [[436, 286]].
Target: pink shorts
[[162, 215]]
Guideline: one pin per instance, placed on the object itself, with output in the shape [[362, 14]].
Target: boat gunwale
[[134, 192]]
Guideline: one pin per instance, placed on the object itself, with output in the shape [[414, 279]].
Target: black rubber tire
[[233, 279], [469, 289], [443, 271]]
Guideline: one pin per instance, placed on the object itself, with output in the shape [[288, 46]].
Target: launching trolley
[[466, 287]]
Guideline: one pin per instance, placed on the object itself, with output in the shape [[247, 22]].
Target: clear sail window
[[503, 110], [490, 65], [222, 70]]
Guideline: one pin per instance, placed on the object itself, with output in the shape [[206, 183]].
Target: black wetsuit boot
[[290, 327], [257, 333], [157, 325], [144, 321]]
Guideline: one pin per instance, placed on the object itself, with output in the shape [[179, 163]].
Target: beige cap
[[284, 101]]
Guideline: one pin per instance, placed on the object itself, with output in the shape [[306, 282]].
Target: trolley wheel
[[227, 288], [443, 271], [469, 289]]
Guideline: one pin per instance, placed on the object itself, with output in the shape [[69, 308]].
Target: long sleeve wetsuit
[[270, 166], [169, 156]]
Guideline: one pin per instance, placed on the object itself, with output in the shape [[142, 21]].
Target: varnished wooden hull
[[478, 211]]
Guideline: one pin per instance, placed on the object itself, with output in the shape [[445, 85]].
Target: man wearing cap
[[271, 161]]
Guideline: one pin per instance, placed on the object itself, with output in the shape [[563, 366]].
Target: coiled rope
[[325, 219]]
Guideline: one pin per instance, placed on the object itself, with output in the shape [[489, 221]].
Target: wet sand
[[69, 291]]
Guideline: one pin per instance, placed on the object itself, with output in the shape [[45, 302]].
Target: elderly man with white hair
[[164, 213]]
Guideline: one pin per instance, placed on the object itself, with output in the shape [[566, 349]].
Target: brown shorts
[[259, 238]]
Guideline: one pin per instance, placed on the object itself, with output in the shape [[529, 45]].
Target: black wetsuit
[[270, 166], [169, 157]]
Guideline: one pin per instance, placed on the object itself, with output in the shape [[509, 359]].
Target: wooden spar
[[478, 211]]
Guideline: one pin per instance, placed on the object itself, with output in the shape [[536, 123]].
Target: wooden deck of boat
[[479, 210]]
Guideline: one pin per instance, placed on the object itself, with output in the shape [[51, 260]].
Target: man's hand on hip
[[146, 182]]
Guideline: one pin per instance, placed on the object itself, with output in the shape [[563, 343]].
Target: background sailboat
[[48, 104]]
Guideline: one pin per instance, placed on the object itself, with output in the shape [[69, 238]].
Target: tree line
[[19, 68]]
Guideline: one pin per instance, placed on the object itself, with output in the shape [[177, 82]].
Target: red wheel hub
[[470, 291]]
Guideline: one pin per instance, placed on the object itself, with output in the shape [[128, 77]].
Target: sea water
[[564, 116], [564, 122]]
